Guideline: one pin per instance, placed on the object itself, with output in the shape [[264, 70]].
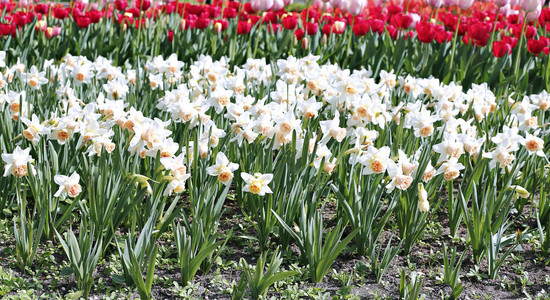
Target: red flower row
[[474, 27]]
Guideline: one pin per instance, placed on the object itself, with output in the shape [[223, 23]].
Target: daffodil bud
[[140, 178], [423, 204], [520, 191]]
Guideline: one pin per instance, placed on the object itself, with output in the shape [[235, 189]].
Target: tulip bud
[[305, 43], [217, 27], [339, 26], [183, 23], [324, 39], [41, 25]]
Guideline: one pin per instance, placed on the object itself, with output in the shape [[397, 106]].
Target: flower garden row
[[129, 153], [464, 42]]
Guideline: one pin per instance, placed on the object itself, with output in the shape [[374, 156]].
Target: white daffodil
[[450, 169], [257, 183], [223, 169], [34, 129], [68, 184], [376, 161], [16, 163], [534, 144]]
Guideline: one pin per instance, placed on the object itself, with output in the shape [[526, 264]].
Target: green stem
[[454, 40], [518, 54], [494, 30], [350, 36]]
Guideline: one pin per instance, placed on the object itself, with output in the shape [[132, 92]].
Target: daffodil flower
[[257, 183]]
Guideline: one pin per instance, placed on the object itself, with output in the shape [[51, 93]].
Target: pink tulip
[[278, 5], [530, 5], [261, 5], [435, 3], [465, 4], [450, 3], [507, 10], [534, 14], [502, 3], [336, 3], [355, 7], [287, 2]]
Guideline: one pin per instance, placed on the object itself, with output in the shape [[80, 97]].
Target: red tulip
[[544, 16], [479, 31], [22, 18], [513, 42], [213, 12], [299, 33], [243, 27], [361, 28], [202, 23], [536, 46], [229, 12], [94, 15], [530, 32], [273, 28], [134, 11], [6, 29], [392, 31], [79, 5], [42, 8], [376, 25], [270, 17], [501, 48], [247, 7], [289, 22], [143, 4], [83, 22], [312, 28], [425, 32], [60, 13], [401, 21], [170, 36], [394, 9], [195, 9], [443, 36], [121, 4]]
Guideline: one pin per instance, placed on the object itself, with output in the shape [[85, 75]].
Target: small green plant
[[83, 254], [258, 281], [320, 256], [412, 289], [27, 236], [194, 247], [451, 270], [379, 264], [139, 256]]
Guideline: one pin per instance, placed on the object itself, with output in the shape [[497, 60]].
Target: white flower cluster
[[290, 99]]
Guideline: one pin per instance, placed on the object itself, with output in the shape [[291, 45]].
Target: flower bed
[[133, 153]]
